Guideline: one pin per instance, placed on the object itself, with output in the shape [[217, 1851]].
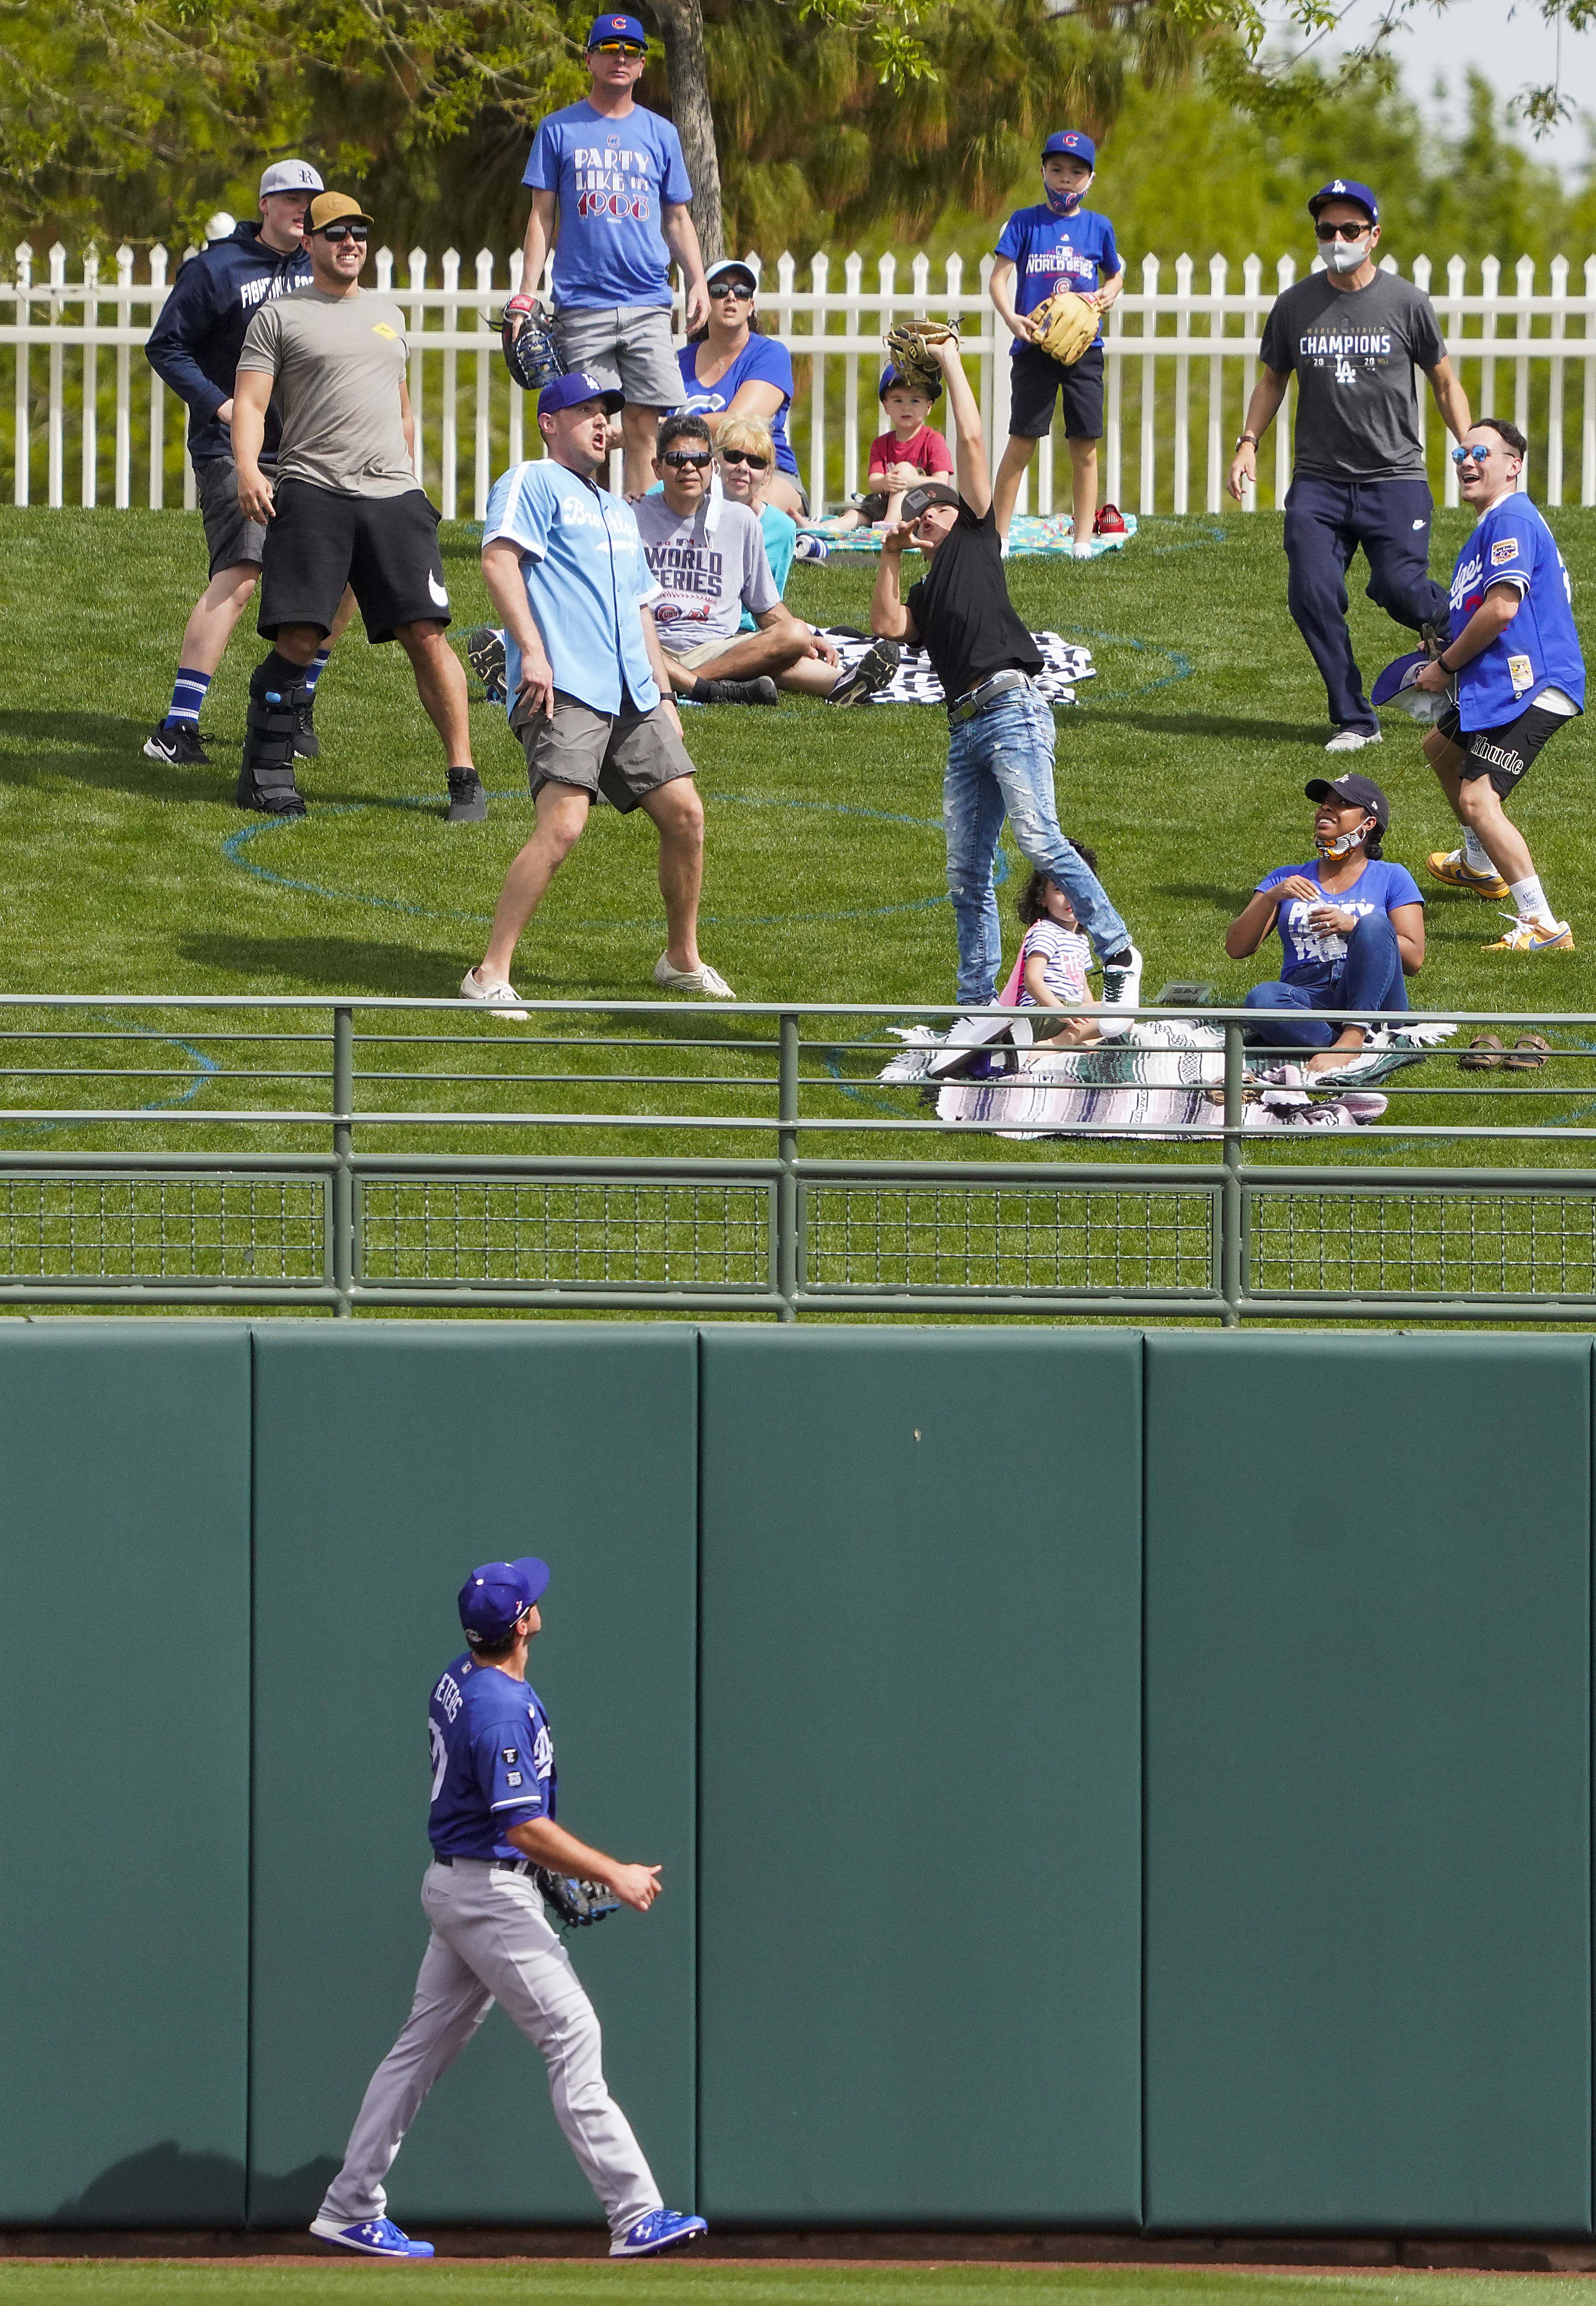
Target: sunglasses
[[628, 48], [1342, 231], [358, 233], [744, 456], [739, 288], [1462, 455], [680, 457]]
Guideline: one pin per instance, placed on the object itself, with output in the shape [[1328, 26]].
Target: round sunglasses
[[1341, 231], [744, 456], [1478, 452]]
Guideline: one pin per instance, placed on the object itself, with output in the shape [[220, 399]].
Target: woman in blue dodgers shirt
[[1352, 925], [1513, 665], [729, 369], [1057, 245]]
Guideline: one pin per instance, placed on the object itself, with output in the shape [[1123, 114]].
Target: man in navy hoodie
[[193, 347]]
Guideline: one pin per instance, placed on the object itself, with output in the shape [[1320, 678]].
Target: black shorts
[[1503, 754], [1034, 378], [385, 548]]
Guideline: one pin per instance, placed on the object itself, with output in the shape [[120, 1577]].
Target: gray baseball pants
[[491, 1942]]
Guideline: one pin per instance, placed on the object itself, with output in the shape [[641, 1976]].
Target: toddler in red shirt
[[908, 453]]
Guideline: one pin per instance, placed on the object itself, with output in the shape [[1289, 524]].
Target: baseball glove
[[576, 1903], [908, 343], [1067, 325], [529, 348]]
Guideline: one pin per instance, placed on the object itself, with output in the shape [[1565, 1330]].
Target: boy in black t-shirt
[[1000, 745]]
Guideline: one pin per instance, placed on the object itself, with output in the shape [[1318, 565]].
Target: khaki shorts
[[627, 347], [703, 653], [622, 756]]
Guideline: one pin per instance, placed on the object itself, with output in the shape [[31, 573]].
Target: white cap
[[291, 176]]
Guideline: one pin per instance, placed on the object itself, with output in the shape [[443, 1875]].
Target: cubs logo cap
[[1358, 792], [1343, 188], [290, 176], [930, 492], [566, 391], [495, 1596], [1073, 143], [617, 28], [329, 207]]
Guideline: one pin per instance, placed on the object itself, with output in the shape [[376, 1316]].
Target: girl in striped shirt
[[1054, 957]]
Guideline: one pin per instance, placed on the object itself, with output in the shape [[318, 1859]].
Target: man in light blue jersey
[[492, 1828], [1516, 673]]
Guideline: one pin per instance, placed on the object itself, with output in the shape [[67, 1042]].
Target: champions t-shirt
[[709, 565], [1315, 958], [338, 363], [1539, 649], [1051, 252], [1355, 351], [962, 612], [612, 179], [926, 450], [763, 360]]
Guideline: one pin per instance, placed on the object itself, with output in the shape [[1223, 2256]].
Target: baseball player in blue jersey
[[1514, 666], [491, 1828], [1057, 245]]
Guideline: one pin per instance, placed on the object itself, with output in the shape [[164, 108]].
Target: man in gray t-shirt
[[344, 508], [1358, 339]]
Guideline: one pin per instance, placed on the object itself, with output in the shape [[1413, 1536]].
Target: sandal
[[1483, 1054], [1529, 1053]]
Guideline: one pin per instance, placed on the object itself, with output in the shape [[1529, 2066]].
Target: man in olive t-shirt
[[345, 506], [1357, 338]]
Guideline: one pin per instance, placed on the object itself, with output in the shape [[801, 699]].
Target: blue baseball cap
[[495, 1596], [890, 376], [617, 28], [566, 391], [1071, 142], [1343, 188]]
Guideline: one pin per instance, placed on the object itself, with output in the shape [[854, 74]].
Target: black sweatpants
[[1325, 522]]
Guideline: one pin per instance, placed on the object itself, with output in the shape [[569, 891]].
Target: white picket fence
[[1179, 364]]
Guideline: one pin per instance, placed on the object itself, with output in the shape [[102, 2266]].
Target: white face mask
[[1333, 846], [1346, 255]]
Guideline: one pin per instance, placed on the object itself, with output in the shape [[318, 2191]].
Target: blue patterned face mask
[[1061, 203]]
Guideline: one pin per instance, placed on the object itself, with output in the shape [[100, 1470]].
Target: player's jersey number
[[439, 1760]]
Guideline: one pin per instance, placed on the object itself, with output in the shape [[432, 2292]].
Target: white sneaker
[[1080, 552], [704, 979], [1352, 740], [1122, 989], [497, 995]]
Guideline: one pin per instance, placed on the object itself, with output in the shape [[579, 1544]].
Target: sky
[[1512, 44]]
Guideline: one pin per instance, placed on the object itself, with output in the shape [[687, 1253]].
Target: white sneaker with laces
[[704, 979], [1122, 989], [1352, 740], [496, 994]]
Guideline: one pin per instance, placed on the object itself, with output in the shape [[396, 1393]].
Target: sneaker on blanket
[[873, 673], [1122, 989], [969, 1040], [1363, 1108]]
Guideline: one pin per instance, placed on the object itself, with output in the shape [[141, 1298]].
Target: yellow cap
[[326, 208]]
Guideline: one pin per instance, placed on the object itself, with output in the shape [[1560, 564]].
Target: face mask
[[1061, 203], [1341, 844], [1346, 255]]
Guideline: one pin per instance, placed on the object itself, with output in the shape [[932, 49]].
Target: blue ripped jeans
[[1371, 980], [1000, 764]]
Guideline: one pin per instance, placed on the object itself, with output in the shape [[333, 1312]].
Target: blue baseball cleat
[[371, 2238], [661, 2230]]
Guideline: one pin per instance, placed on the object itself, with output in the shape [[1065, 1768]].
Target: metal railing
[[1180, 364], [745, 1159]]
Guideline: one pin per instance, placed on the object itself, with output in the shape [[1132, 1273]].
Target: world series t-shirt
[[493, 1758], [612, 179], [763, 360], [1315, 958], [1051, 252], [709, 565], [1355, 351], [1539, 649]]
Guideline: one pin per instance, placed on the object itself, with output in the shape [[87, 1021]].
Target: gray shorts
[[625, 345], [624, 756], [232, 541]]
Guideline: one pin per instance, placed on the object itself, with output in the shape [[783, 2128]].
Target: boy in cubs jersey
[[1057, 245], [1513, 660]]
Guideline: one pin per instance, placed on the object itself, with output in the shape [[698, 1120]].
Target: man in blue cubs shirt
[[610, 193], [1055, 245], [1514, 666], [492, 1827]]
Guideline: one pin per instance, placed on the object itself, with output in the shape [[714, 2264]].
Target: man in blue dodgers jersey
[[491, 1825], [1057, 245], [1357, 337], [610, 193], [589, 694], [1513, 662]]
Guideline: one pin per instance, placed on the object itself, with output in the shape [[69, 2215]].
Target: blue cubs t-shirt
[[1315, 958], [586, 580], [763, 360], [1052, 251], [613, 179], [492, 1759], [1539, 649]]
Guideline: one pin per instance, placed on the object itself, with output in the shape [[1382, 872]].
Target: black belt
[[976, 700], [500, 1865]]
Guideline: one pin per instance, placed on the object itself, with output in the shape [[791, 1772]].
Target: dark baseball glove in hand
[[529, 348], [909, 343], [576, 1903]]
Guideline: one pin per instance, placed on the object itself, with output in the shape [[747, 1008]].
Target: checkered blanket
[[1064, 664]]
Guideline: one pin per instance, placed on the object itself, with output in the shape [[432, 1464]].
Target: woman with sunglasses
[[1357, 337], [1513, 666], [729, 369]]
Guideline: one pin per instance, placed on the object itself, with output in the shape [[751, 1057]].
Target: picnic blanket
[[1029, 533], [1064, 664]]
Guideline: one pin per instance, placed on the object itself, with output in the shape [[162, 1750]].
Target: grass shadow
[[102, 750], [1212, 725], [329, 964]]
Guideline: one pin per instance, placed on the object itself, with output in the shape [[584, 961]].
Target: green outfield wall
[[1105, 1781]]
